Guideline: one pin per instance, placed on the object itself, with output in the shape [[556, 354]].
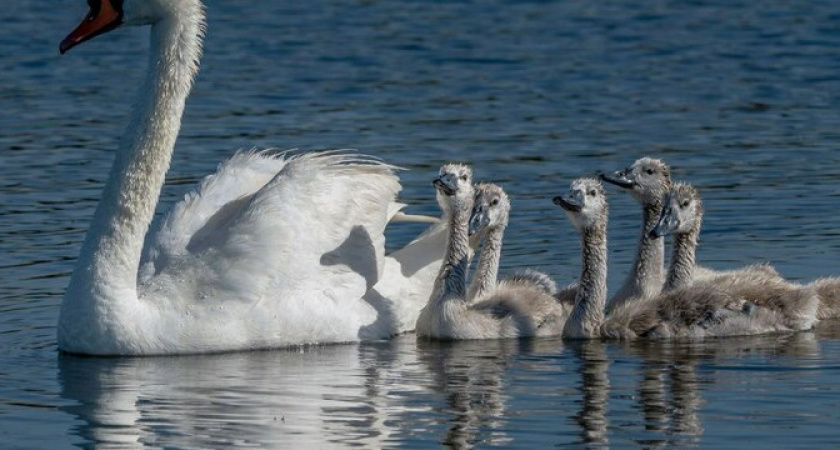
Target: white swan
[[269, 251]]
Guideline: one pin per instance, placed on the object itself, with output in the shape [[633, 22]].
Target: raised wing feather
[[314, 230], [237, 178]]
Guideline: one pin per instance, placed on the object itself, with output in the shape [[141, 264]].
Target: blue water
[[742, 98]]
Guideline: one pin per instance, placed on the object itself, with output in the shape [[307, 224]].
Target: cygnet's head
[[106, 15], [491, 208], [452, 180], [585, 204], [682, 213], [647, 179]]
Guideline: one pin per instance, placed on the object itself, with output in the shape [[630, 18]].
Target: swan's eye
[[495, 202], [464, 177], [592, 193], [684, 204], [649, 171]]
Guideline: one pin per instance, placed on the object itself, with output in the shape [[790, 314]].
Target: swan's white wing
[[239, 177], [318, 225], [306, 246]]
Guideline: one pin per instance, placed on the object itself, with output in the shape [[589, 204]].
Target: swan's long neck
[[451, 282], [647, 275], [110, 256], [487, 271], [681, 272], [588, 313]]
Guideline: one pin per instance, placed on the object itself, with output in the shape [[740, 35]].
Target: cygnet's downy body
[[828, 290], [795, 305], [504, 312], [697, 312], [649, 181]]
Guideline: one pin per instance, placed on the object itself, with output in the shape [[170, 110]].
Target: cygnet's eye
[[649, 171], [495, 202], [684, 204], [464, 177], [592, 193]]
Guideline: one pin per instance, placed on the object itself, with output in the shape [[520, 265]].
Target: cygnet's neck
[[681, 272], [588, 313], [487, 270], [451, 283], [646, 277]]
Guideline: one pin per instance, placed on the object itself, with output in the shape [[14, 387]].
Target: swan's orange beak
[[104, 16]]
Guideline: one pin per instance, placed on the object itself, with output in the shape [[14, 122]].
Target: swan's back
[[308, 244]]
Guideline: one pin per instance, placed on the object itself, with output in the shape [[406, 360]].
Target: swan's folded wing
[[237, 178], [316, 230]]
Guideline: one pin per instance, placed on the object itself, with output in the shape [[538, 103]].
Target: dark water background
[[740, 97]]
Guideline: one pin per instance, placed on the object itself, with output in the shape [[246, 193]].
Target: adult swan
[[269, 251]]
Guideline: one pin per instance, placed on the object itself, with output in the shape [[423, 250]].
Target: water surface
[[740, 97]]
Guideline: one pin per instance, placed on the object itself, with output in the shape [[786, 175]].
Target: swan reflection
[[459, 394], [301, 398], [470, 376], [595, 388]]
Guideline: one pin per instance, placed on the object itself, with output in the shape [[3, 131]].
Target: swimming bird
[[682, 214], [490, 216], [648, 180], [682, 217], [696, 311], [505, 312], [587, 209], [269, 251]]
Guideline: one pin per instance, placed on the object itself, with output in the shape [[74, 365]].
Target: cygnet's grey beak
[[568, 203], [478, 220], [445, 185], [667, 224], [619, 179]]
